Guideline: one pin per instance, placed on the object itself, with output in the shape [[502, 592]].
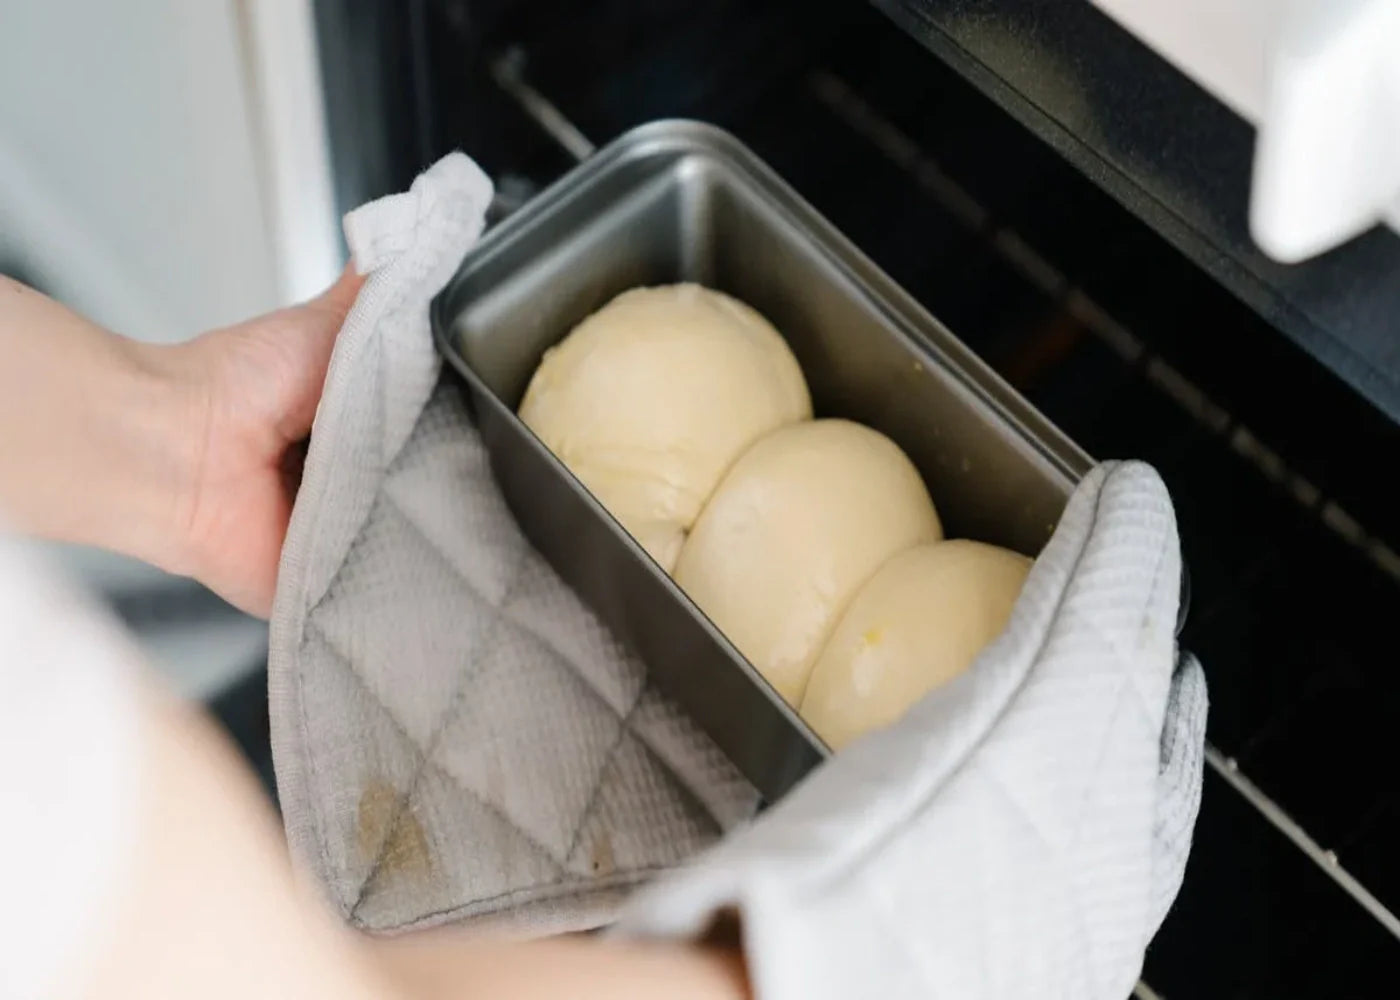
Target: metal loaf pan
[[680, 201]]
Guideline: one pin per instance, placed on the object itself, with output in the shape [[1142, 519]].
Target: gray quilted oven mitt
[[457, 738]]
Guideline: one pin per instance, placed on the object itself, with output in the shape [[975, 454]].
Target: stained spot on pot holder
[[391, 835]]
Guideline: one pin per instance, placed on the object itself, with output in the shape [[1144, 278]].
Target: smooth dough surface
[[803, 518], [917, 623], [650, 399]]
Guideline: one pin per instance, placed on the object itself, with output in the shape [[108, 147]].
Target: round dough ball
[[650, 399], [799, 523], [917, 623]]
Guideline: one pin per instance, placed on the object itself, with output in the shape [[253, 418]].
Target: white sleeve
[[68, 770]]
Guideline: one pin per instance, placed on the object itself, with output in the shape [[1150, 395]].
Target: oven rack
[[902, 150]]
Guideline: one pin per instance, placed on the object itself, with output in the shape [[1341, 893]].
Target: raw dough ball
[[799, 523], [919, 622], [649, 400]]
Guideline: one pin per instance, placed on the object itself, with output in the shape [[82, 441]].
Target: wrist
[[100, 437], [158, 446]]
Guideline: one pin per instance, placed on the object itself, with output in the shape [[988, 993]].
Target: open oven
[[1074, 210]]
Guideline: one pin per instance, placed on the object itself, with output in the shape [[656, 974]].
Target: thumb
[[336, 301], [314, 325]]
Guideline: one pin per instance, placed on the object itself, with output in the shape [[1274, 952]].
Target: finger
[[316, 325], [336, 301]]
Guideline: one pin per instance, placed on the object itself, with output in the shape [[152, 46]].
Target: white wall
[[163, 169], [129, 177]]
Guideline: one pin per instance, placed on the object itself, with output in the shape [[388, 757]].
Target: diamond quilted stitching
[[498, 862], [442, 485], [423, 764], [527, 722], [398, 826], [638, 816], [423, 620], [693, 759], [345, 714], [544, 606]]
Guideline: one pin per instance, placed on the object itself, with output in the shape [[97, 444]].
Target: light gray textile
[[1022, 831], [455, 737]]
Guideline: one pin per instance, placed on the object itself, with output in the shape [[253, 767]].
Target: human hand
[[185, 455], [250, 393]]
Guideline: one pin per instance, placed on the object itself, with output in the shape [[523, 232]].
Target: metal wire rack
[[927, 177]]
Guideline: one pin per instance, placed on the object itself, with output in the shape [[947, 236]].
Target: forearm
[[89, 449], [203, 903], [441, 966]]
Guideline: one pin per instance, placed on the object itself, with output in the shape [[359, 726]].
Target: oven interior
[[1288, 529]]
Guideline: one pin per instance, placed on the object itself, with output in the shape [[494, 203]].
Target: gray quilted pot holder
[[456, 738]]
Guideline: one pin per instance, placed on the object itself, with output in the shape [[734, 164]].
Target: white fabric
[[1022, 831], [68, 765], [455, 737]]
